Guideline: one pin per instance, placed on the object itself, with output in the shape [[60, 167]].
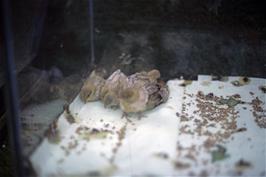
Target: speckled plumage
[[92, 86], [143, 91], [110, 90]]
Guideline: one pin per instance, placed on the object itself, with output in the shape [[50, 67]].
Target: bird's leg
[[126, 116], [140, 115]]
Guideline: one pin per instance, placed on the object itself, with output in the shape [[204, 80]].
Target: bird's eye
[[88, 94], [107, 100]]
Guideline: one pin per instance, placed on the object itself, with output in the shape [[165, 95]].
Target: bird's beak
[[88, 96]]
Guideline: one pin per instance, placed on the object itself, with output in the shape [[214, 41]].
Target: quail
[[92, 86], [110, 90], [143, 91]]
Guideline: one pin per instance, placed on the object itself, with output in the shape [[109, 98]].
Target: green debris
[[219, 154], [231, 102]]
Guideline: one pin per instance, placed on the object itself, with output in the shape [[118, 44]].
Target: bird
[[110, 90], [143, 77], [92, 86], [144, 91], [154, 75]]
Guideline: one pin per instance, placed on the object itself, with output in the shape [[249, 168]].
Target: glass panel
[[144, 87]]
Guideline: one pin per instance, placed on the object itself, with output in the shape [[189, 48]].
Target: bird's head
[[98, 72], [154, 74], [87, 92]]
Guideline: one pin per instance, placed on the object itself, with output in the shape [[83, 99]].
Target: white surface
[[156, 133]]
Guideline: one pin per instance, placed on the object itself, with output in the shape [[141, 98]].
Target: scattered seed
[[263, 88], [242, 165], [180, 165], [162, 155]]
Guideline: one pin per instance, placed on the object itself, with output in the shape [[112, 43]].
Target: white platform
[[157, 143]]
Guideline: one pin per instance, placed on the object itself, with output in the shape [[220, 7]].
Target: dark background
[[59, 31], [178, 37]]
